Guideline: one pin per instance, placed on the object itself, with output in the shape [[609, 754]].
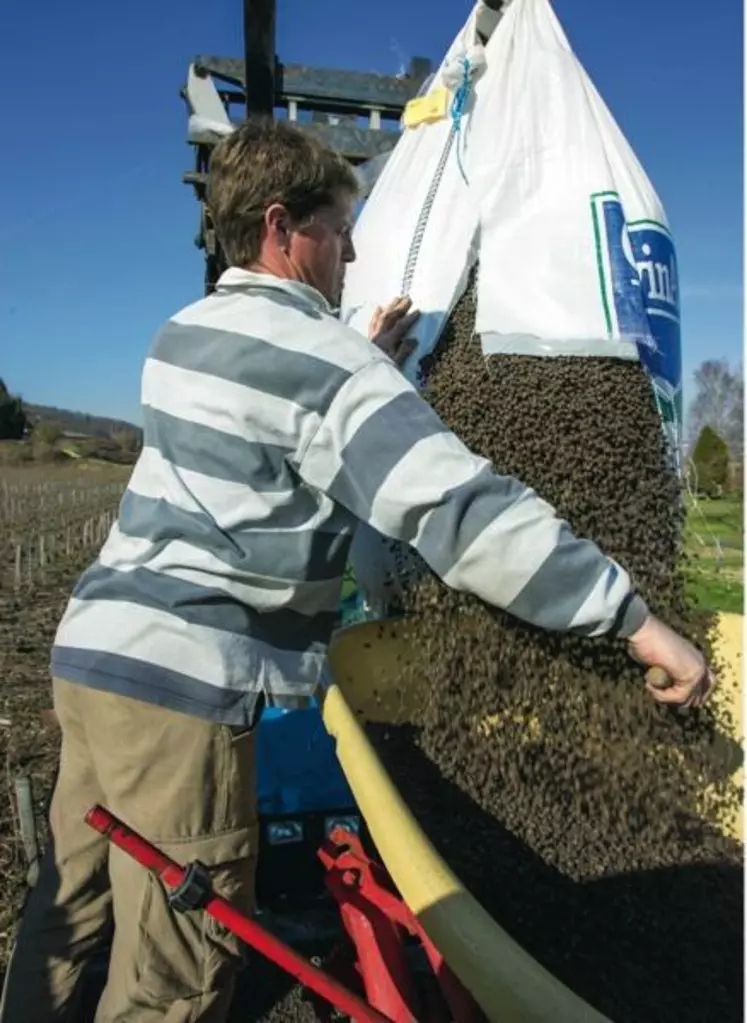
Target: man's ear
[[277, 225]]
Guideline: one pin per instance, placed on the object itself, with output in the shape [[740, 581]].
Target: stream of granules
[[566, 800]]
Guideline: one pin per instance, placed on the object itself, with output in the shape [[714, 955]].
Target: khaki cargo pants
[[190, 788]]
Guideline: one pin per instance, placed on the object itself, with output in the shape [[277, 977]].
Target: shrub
[[46, 433]]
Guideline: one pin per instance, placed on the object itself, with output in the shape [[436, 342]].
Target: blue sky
[[96, 229]]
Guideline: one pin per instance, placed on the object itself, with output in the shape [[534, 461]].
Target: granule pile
[[566, 800]]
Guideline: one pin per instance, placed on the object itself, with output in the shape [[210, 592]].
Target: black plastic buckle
[[195, 891]]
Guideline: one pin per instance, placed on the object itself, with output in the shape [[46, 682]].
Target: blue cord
[[458, 106]]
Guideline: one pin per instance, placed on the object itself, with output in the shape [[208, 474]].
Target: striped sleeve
[[383, 453]]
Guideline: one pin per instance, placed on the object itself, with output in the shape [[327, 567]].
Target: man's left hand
[[389, 328]]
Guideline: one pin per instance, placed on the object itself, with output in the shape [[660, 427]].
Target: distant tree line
[[18, 418], [44, 430], [79, 422]]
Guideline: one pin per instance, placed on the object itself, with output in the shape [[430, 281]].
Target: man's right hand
[[678, 673]]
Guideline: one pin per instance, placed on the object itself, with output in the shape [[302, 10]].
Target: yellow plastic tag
[[434, 106]]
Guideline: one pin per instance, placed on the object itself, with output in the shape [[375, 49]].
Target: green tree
[[710, 461], [12, 417]]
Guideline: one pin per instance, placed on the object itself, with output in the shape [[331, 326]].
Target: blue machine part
[[297, 769]]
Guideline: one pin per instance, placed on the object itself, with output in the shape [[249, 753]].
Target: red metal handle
[[172, 874]]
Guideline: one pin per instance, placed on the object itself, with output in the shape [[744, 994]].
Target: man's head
[[283, 203]]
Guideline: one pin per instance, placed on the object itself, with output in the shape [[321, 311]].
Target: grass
[[714, 541]]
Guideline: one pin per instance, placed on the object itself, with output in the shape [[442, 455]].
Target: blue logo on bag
[[640, 292]]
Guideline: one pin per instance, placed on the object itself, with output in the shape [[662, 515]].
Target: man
[[270, 431]]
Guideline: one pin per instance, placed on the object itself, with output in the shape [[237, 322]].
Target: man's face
[[320, 248]]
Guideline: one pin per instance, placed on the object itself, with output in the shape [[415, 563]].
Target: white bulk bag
[[407, 238], [528, 173], [576, 257]]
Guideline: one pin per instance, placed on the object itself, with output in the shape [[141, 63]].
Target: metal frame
[[381, 929], [357, 114], [189, 889]]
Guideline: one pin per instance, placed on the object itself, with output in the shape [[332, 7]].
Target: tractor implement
[[383, 932]]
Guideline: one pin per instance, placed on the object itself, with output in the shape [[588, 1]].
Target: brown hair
[[265, 162]]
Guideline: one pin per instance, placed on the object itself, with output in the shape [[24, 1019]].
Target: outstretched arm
[[382, 452]]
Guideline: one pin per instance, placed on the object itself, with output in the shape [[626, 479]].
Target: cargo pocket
[[224, 952], [239, 777], [184, 955]]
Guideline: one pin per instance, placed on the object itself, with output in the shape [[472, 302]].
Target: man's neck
[[276, 267], [238, 277]]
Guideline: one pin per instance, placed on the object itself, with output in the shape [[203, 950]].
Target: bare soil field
[[52, 520]]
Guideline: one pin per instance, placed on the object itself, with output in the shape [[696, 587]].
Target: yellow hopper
[[507, 983]]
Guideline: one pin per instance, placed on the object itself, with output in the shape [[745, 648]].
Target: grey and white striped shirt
[[270, 430]]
